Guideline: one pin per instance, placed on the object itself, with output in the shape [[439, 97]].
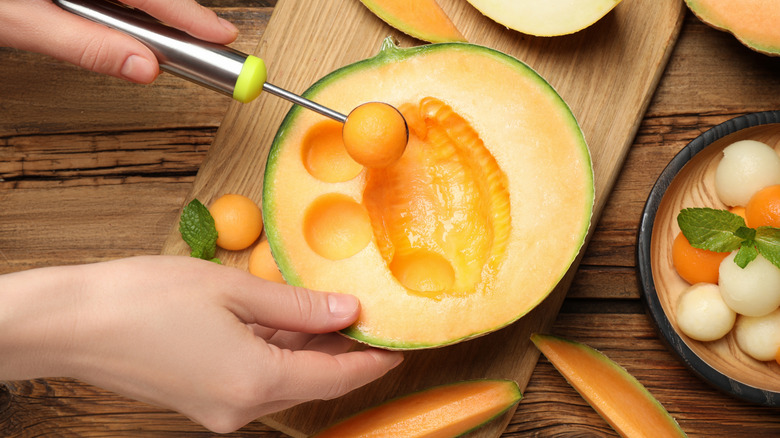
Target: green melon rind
[[700, 11], [510, 384], [540, 339], [390, 52]]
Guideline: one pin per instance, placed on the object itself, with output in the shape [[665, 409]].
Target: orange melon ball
[[693, 264], [763, 209], [238, 220], [375, 134], [739, 211], [262, 264]]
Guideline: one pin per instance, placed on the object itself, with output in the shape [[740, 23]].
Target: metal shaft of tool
[[211, 65], [306, 103]]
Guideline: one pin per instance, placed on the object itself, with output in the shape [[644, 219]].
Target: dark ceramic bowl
[[688, 181]]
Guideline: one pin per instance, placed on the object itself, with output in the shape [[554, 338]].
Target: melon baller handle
[[214, 66]]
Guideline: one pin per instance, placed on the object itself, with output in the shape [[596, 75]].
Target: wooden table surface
[[93, 168]]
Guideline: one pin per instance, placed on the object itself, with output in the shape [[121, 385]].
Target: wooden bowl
[[689, 181]]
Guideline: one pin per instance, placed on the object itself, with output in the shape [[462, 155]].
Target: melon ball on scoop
[[375, 134]]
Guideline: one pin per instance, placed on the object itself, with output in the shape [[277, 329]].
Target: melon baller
[[214, 66]]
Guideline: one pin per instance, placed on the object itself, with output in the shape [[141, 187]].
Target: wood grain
[[40, 214], [636, 47]]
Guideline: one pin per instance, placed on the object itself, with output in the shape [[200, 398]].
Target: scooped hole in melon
[[336, 227], [423, 272], [325, 156]]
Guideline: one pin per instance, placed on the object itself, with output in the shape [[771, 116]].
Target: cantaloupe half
[[468, 231], [439, 412], [545, 17], [422, 19], [614, 393], [756, 23]]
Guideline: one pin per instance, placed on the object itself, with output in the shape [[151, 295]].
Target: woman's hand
[[214, 343], [40, 26]]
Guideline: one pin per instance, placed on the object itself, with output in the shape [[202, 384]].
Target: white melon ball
[[759, 336], [747, 166], [702, 314], [752, 291]]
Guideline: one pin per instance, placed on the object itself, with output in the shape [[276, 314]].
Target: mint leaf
[[768, 243], [197, 229], [746, 254], [711, 229]]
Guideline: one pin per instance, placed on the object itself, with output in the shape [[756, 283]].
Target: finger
[[321, 376], [189, 16], [285, 307], [42, 27], [330, 343]]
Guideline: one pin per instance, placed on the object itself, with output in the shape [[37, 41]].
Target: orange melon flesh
[[439, 412], [754, 22], [422, 19], [616, 395], [448, 258]]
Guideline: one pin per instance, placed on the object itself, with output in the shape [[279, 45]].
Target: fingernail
[[138, 69], [342, 306], [229, 26]]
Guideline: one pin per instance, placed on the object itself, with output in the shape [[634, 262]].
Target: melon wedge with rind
[[421, 19], [441, 411], [614, 393], [545, 18], [755, 23]]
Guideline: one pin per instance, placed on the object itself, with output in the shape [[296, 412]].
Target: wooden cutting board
[[607, 74]]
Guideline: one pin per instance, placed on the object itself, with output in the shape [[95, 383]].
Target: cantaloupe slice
[[468, 231], [614, 393], [545, 17], [442, 411], [756, 23], [422, 19]]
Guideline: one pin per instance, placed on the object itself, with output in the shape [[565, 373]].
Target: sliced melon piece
[[442, 411], [614, 393], [469, 230], [756, 23], [422, 19], [545, 17]]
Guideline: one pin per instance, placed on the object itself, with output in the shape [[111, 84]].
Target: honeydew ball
[[753, 290], [747, 166], [702, 314], [759, 336]]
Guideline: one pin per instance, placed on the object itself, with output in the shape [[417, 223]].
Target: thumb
[[292, 308]]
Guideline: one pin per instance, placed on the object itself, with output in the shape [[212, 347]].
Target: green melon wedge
[[422, 19], [442, 411], [614, 393], [755, 23]]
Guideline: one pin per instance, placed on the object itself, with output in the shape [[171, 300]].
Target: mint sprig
[[724, 231], [197, 229]]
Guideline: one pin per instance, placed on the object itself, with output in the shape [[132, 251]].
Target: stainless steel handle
[[211, 65]]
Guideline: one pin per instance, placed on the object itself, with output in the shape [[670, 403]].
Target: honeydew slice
[[545, 17]]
